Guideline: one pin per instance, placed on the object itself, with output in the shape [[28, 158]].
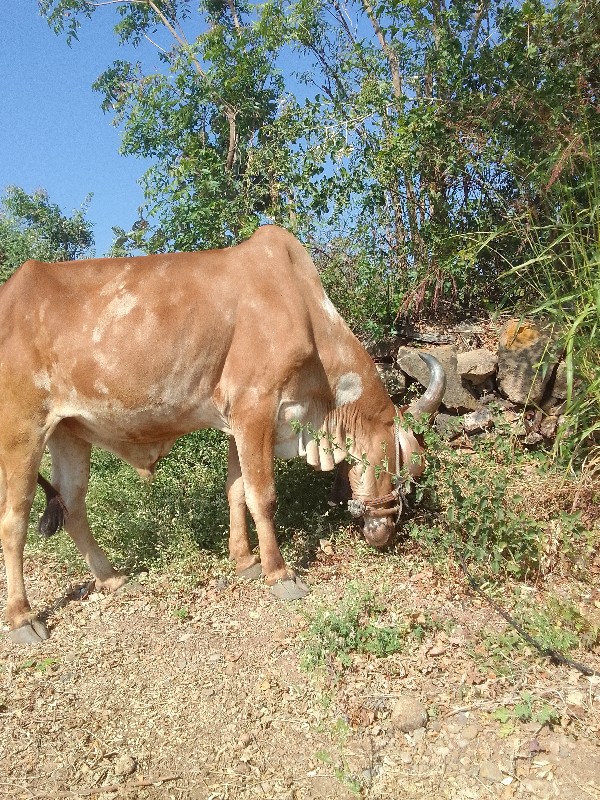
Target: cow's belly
[[116, 427]]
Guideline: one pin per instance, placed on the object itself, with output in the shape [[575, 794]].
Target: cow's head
[[376, 499]]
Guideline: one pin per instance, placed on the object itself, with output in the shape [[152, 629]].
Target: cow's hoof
[[290, 589], [251, 573], [32, 632], [112, 584]]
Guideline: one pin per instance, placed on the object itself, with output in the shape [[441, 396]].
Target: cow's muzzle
[[380, 517], [379, 532]]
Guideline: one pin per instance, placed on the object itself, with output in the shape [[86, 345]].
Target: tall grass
[[563, 278], [558, 281]]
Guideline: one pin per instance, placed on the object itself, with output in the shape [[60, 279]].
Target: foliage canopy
[[395, 133], [31, 226]]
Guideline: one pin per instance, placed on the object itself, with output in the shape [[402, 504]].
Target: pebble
[[245, 739], [536, 787], [491, 772], [470, 732], [418, 735], [124, 765]]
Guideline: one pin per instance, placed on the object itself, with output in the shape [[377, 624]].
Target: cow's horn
[[430, 401]]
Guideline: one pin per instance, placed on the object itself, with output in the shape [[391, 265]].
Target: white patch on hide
[[41, 379], [100, 387], [328, 307], [118, 307], [349, 388]]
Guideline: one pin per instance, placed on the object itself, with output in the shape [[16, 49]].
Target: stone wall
[[510, 371]]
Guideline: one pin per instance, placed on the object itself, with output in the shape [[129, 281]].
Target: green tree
[[33, 227], [398, 134], [440, 121], [210, 118]]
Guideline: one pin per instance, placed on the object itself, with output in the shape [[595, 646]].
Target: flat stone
[[478, 421], [457, 395], [538, 787], [476, 366], [490, 772]]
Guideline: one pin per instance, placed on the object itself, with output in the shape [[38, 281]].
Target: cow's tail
[[53, 518]]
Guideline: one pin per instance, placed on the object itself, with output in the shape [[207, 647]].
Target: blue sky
[[53, 134]]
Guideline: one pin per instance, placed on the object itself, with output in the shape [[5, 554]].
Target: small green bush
[[468, 508], [333, 636]]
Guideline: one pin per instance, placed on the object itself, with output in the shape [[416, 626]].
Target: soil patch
[[163, 691]]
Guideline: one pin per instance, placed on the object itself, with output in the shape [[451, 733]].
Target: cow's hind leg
[[17, 488], [70, 476], [247, 565], [254, 442]]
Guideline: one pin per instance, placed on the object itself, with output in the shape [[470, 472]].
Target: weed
[[528, 709], [340, 733], [473, 513], [43, 665], [557, 625], [333, 636], [341, 772], [560, 282]]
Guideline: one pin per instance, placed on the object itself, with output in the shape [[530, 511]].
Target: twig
[[115, 787], [18, 786]]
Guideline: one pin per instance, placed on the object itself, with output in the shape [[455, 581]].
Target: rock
[[533, 438], [559, 384], [490, 772], [476, 366], [384, 349], [448, 426], [478, 421], [393, 380], [526, 359], [548, 427], [457, 396], [124, 765], [408, 714]]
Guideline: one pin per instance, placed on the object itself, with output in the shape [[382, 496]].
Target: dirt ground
[[164, 691]]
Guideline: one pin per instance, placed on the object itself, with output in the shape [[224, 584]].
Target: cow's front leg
[[255, 450], [247, 564]]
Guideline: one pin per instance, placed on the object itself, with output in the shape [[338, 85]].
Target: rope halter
[[376, 507]]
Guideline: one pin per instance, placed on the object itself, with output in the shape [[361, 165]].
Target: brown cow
[[131, 353]]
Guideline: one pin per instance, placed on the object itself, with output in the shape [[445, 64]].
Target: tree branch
[[229, 111], [387, 50]]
